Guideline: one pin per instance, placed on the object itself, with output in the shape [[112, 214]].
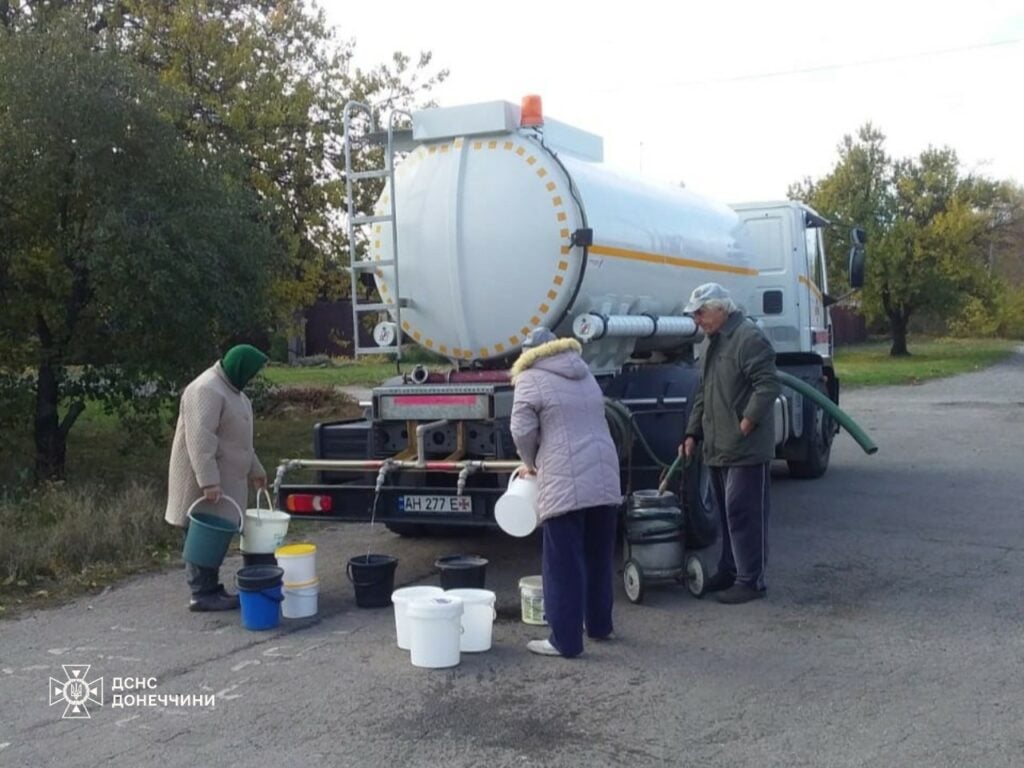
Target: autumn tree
[[125, 258], [929, 226], [269, 79]]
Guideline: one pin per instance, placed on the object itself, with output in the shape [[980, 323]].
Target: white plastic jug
[[264, 529], [435, 627], [516, 510], [478, 617], [401, 598]]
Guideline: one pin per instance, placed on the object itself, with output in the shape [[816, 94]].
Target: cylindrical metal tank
[[486, 252]]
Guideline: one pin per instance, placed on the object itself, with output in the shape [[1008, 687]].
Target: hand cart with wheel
[[654, 543]]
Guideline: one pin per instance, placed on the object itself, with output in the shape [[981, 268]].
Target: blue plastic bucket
[[260, 596], [209, 536]]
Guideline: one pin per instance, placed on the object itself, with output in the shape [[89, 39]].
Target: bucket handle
[[241, 517], [271, 596], [348, 572], [260, 492]]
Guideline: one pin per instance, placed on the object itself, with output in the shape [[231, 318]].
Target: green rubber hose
[[833, 410]]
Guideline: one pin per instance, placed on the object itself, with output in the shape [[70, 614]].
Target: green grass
[[870, 365], [338, 375]]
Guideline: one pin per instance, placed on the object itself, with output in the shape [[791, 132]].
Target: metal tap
[[382, 473], [464, 474]]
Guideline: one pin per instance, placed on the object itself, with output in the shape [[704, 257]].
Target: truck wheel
[[701, 521], [817, 445]]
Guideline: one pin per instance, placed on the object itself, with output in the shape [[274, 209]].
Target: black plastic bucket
[[253, 578], [258, 558], [373, 577], [462, 571]]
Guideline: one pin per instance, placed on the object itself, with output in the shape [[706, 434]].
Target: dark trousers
[[579, 550], [742, 495], [202, 580]]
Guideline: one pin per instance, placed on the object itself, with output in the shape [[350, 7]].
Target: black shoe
[[719, 581], [213, 601], [740, 593]]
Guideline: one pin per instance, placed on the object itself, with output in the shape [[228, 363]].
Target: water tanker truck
[[496, 220]]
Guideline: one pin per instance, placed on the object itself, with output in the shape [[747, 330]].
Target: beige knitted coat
[[212, 446]]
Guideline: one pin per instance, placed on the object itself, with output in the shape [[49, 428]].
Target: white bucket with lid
[[478, 617], [435, 628], [531, 595], [300, 601], [298, 562], [516, 510], [401, 598], [263, 530]]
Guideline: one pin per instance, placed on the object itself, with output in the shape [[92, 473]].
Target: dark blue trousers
[[578, 572], [742, 495]]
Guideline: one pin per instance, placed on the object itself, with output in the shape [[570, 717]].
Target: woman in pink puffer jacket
[[559, 428]]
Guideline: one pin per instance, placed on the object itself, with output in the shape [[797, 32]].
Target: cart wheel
[[633, 580], [696, 575]]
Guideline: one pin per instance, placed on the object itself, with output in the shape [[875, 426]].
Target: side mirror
[[858, 254]]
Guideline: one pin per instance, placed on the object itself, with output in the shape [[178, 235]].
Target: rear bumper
[[355, 502]]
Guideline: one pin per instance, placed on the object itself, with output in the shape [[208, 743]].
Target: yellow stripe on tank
[[674, 261]]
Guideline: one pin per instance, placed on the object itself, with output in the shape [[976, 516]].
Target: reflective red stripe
[[435, 399]]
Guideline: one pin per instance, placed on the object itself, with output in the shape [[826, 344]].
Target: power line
[[832, 67]]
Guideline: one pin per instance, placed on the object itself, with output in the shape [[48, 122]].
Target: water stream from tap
[[373, 516]]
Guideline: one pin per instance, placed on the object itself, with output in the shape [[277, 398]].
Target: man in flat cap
[[732, 418]]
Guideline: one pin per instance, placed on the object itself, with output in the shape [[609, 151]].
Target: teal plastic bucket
[[209, 536], [260, 596]]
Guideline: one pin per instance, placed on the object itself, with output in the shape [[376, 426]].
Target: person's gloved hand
[[212, 493]]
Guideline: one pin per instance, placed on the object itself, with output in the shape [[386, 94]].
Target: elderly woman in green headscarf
[[213, 456]]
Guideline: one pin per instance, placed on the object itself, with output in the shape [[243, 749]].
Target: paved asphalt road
[[893, 635]]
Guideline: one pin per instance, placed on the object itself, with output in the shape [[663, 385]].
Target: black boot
[[213, 601]]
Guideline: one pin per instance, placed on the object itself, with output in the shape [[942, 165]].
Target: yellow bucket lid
[[293, 550]]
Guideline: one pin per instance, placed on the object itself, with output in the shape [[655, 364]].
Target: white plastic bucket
[[435, 627], [516, 510], [401, 598], [300, 601], [264, 529], [298, 562], [531, 595], [478, 617]]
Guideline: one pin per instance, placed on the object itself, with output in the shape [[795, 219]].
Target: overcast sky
[[737, 99]]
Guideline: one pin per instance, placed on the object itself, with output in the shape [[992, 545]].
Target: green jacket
[[737, 379]]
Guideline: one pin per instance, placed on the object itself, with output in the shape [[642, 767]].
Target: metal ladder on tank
[[357, 268]]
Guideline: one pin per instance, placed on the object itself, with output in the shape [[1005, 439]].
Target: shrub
[[976, 320], [59, 533], [1011, 313], [275, 401]]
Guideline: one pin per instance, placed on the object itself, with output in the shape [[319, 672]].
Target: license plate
[[442, 504]]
